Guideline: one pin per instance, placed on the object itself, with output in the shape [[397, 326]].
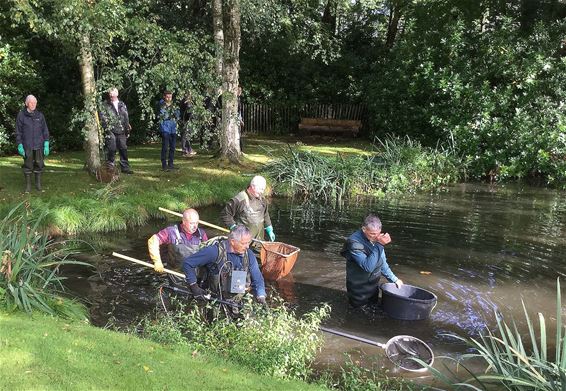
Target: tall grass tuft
[[515, 361], [29, 278], [399, 165]]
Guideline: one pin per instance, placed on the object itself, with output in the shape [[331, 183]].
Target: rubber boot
[[38, 181], [28, 182]]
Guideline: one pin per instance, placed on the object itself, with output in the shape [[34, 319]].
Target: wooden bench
[[324, 125]]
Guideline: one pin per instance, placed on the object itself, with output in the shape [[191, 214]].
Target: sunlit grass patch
[[69, 217], [75, 202]]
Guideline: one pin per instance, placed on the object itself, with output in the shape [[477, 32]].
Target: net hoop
[[401, 350]]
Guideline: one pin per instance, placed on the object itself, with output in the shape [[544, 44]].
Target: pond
[[479, 248]]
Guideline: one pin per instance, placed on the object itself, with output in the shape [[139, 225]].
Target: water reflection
[[481, 249]]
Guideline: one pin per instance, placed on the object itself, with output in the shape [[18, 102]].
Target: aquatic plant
[[30, 264], [514, 361], [269, 341], [399, 165], [355, 377]]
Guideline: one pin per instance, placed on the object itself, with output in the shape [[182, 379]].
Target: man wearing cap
[[115, 121], [249, 207], [32, 138], [169, 115]]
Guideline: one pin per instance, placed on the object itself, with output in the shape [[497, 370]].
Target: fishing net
[[277, 259], [402, 350]]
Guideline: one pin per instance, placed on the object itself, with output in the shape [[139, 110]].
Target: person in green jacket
[[249, 207]]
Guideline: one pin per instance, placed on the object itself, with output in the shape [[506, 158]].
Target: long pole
[[200, 221], [350, 336], [134, 260], [203, 223]]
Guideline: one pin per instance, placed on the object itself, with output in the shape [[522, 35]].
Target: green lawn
[[75, 202], [44, 353]]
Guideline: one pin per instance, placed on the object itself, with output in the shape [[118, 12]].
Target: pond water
[[479, 248]]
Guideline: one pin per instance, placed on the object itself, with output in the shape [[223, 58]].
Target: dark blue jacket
[[31, 129], [365, 263], [168, 117], [208, 256]]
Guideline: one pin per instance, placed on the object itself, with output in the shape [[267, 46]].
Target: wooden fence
[[279, 119]]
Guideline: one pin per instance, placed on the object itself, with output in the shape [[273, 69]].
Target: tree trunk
[[92, 140], [393, 25], [230, 134], [218, 34]]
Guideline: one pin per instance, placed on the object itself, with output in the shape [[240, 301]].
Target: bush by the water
[[399, 165], [29, 270], [269, 341], [489, 76]]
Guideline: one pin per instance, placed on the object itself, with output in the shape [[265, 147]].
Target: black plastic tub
[[407, 302]]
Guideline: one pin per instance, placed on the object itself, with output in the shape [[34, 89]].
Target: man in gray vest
[[181, 239], [366, 262], [249, 207]]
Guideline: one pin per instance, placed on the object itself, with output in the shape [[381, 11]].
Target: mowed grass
[[76, 202], [45, 353]]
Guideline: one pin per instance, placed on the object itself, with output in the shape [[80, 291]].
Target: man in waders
[[182, 240], [366, 262], [231, 268], [249, 207]]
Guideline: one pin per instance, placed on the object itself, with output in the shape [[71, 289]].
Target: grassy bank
[[77, 203], [48, 353]]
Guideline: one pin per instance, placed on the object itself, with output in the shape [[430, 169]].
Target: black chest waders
[[362, 286], [228, 283], [252, 218], [177, 252]]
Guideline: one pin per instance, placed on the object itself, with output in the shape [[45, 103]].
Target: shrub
[[271, 341]]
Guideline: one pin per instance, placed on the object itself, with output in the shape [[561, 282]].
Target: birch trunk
[[91, 134], [230, 134], [218, 34]]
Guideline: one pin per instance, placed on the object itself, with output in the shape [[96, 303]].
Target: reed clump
[[515, 361], [30, 265], [398, 165]]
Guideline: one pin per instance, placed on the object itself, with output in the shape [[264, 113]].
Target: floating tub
[[408, 302]]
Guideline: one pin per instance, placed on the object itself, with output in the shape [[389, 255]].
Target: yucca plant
[[516, 362], [29, 270]]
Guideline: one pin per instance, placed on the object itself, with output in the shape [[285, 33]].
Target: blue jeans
[[167, 143]]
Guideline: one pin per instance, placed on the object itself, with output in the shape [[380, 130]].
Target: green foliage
[[269, 341], [479, 77], [30, 265], [398, 166], [515, 361], [18, 75], [354, 377]]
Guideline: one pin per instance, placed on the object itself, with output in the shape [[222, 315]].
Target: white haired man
[[231, 266], [115, 121], [32, 138], [249, 207]]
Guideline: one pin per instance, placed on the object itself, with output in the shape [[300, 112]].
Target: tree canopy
[[484, 77]]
